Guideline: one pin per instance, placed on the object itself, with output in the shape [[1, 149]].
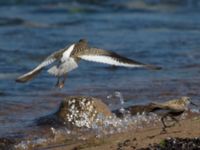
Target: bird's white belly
[[66, 66]]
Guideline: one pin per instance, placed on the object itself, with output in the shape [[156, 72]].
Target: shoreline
[[142, 138]]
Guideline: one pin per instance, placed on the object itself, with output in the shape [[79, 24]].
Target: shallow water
[[165, 34]]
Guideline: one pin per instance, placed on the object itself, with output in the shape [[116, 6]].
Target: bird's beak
[[194, 104]]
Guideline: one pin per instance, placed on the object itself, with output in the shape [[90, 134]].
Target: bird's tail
[[53, 71], [28, 76]]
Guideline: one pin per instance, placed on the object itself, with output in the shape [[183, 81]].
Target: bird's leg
[[176, 120], [62, 83], [164, 125], [58, 82], [64, 78]]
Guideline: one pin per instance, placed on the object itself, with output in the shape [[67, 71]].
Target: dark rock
[[7, 143], [176, 144], [134, 110]]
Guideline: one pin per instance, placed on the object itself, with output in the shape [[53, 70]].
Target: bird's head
[[82, 41], [186, 101], [181, 103], [81, 44]]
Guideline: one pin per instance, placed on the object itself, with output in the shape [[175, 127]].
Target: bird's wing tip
[[28, 76], [152, 67], [22, 79], [158, 68], [18, 80]]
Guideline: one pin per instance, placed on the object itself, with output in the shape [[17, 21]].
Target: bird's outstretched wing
[[49, 60], [108, 57]]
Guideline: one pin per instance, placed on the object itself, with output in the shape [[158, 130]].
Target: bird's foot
[[171, 125], [60, 85], [163, 131]]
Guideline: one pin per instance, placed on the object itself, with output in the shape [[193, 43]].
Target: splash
[[27, 144], [100, 127], [120, 96], [194, 110]]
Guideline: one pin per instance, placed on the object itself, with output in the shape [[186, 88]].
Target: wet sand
[[141, 138]]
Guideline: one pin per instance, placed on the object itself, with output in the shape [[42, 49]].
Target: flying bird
[[66, 60]]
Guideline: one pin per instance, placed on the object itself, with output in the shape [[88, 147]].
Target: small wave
[[5, 76], [4, 21]]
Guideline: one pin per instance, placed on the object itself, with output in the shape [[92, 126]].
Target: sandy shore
[[85, 123], [189, 128]]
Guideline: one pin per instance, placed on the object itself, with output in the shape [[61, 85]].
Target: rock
[[6, 143], [78, 111], [176, 143], [134, 110]]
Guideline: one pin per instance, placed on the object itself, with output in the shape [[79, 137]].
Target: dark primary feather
[[130, 61], [26, 78]]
